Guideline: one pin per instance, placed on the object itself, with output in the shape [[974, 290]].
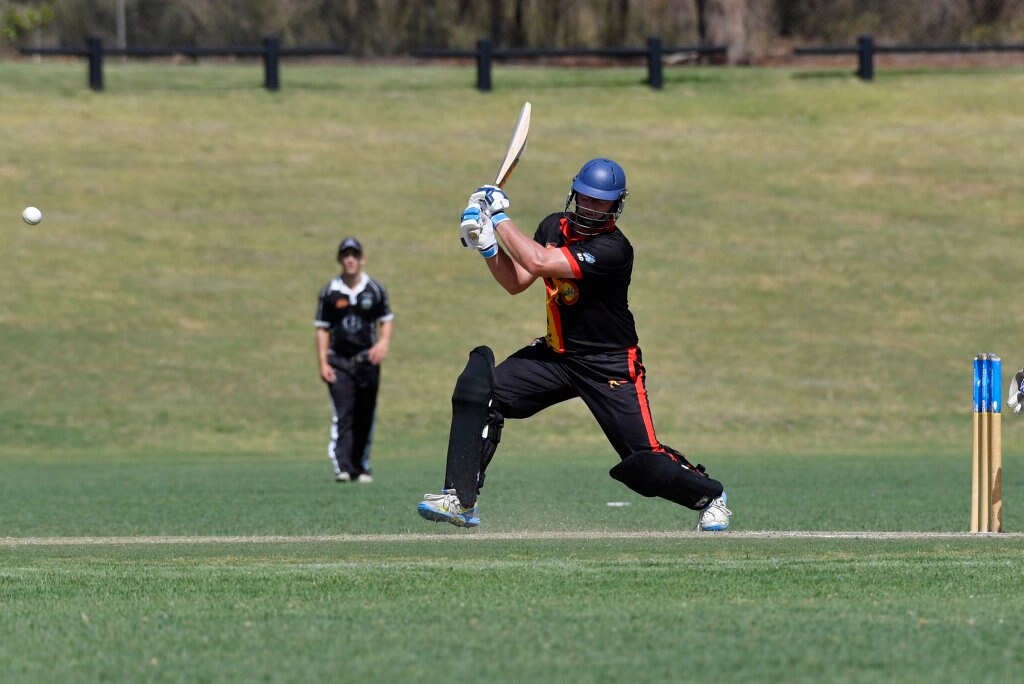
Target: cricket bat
[[516, 146]]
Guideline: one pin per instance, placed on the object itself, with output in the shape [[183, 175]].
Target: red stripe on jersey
[[576, 272], [554, 338], [641, 392]]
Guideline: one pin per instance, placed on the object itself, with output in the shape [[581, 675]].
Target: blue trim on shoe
[[470, 519], [719, 528]]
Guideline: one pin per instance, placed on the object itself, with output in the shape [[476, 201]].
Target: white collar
[[340, 286]]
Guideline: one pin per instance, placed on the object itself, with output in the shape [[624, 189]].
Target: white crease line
[[577, 535]]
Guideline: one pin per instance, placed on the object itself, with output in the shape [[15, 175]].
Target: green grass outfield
[[818, 261], [230, 568], [605, 609]]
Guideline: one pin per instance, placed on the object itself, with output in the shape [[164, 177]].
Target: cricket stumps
[[987, 452]]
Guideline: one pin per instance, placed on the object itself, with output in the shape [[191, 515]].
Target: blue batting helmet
[[601, 179]]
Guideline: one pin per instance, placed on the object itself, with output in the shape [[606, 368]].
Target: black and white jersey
[[589, 312], [352, 314]]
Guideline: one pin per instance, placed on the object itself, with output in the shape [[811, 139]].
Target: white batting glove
[[477, 231], [470, 224], [492, 199], [1015, 399], [486, 243]]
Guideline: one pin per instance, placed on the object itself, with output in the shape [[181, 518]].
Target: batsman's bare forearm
[[538, 261], [508, 273]]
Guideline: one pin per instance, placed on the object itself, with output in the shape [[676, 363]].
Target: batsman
[[590, 350]]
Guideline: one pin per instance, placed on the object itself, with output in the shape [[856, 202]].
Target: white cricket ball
[[32, 215]]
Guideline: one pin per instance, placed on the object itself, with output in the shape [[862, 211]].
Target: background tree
[[726, 24], [21, 20]]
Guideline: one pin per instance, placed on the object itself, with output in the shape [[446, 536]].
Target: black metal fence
[[485, 55], [866, 51], [271, 53]]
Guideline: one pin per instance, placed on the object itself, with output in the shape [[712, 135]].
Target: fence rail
[[271, 52], [866, 49], [485, 54]]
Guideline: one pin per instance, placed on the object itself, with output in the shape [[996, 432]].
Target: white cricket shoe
[[365, 478], [715, 518], [446, 507], [342, 477]]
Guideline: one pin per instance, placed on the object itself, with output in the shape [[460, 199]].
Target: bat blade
[[516, 146]]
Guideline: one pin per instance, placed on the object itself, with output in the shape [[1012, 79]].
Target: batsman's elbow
[[516, 288]]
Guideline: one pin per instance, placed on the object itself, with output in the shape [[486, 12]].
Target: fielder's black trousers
[[354, 395]]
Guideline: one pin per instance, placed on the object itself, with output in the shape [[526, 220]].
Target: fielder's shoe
[[365, 478], [715, 518], [446, 507], [342, 477]]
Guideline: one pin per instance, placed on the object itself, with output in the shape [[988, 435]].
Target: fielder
[[353, 334], [590, 351]]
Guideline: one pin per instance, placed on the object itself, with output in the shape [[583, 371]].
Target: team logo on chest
[[568, 291]]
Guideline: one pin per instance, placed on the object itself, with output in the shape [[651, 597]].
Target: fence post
[[654, 62], [483, 65], [866, 58], [271, 63], [96, 64]]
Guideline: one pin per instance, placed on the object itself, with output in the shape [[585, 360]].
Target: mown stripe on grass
[[581, 535]]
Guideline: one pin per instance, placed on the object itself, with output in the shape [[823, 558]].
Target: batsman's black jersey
[[590, 312], [352, 315]]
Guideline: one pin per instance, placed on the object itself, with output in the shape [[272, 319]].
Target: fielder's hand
[[327, 373], [1015, 399], [491, 198]]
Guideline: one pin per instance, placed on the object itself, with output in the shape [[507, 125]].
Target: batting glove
[[477, 231], [469, 225], [1015, 399], [486, 243], [491, 198]]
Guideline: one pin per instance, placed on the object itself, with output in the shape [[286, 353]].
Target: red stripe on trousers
[[641, 394]]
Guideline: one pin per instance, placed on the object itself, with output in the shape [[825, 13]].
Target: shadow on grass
[[838, 74]]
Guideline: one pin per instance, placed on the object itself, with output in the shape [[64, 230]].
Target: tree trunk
[[497, 20], [702, 21], [616, 23], [727, 25], [551, 22], [986, 11], [518, 33]]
